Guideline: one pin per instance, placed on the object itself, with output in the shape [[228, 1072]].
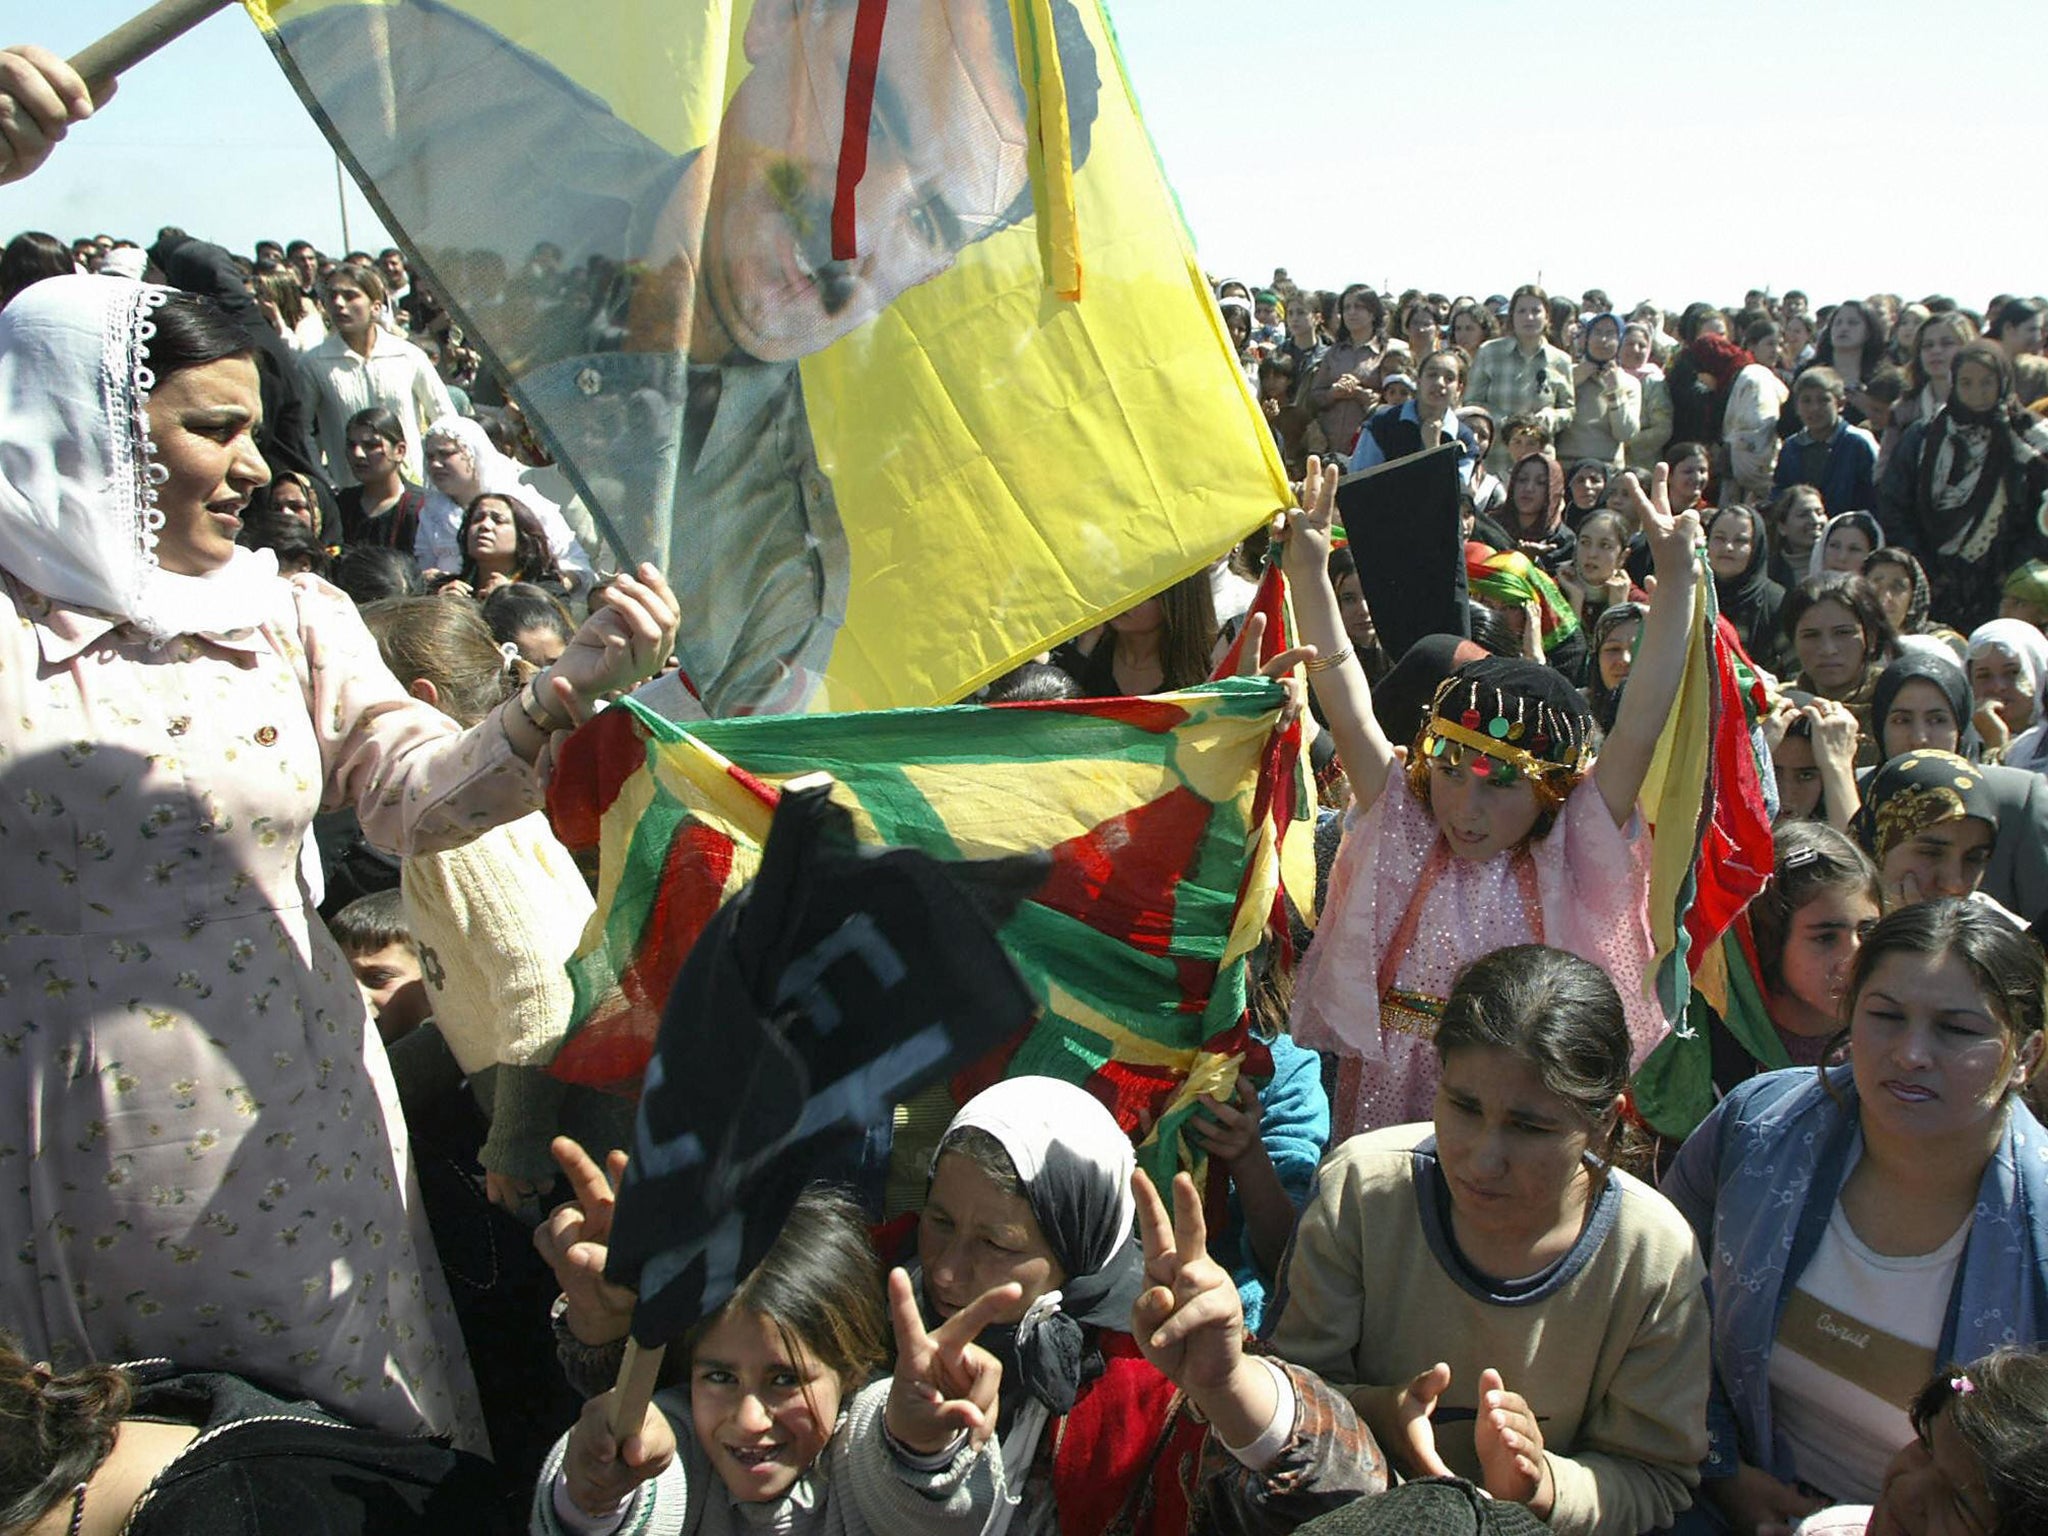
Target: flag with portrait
[[872, 322]]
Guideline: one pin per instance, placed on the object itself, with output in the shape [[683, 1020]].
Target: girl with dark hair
[[2017, 325], [1978, 1461], [1893, 1199], [1597, 577], [145, 1450], [1812, 742], [1853, 344], [1472, 327], [1797, 515], [382, 507], [502, 542], [1338, 391], [1501, 827], [530, 619], [1166, 642], [29, 258], [1839, 635], [1964, 491], [1497, 1298], [1807, 924], [1739, 555], [215, 707], [791, 1426]]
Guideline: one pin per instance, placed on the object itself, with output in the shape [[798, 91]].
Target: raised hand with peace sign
[[945, 1383], [574, 1241], [1189, 1322]]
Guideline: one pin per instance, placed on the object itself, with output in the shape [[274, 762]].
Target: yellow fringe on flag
[[1051, 147]]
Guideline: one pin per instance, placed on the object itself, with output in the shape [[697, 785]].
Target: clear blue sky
[[1839, 147]]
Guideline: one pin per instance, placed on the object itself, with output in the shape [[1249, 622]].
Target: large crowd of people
[[302, 1233]]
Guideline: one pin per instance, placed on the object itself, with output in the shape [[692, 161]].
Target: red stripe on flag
[[590, 770], [853, 135]]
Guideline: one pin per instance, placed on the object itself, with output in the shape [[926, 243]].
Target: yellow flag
[[820, 364]]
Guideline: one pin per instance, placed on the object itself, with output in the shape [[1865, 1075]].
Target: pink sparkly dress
[[1404, 916]]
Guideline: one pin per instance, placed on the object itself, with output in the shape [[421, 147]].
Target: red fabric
[[590, 769], [861, 68], [1736, 851], [1120, 877], [1271, 600], [1719, 359], [1127, 1458]]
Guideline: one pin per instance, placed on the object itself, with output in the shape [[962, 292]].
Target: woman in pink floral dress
[[200, 1151]]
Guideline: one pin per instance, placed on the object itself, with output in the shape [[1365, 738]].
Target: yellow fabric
[[1052, 149], [1674, 788], [1009, 466]]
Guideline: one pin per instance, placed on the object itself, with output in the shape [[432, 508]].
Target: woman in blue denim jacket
[[1872, 1219]]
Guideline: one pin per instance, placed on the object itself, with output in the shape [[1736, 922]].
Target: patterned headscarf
[[2029, 583], [1919, 790], [1511, 579]]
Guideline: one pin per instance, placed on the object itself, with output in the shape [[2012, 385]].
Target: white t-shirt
[[1855, 1345]]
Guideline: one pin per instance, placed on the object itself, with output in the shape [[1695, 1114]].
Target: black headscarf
[[1752, 601], [1928, 667]]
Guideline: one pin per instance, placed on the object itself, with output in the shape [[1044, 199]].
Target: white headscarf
[[2022, 642], [78, 485]]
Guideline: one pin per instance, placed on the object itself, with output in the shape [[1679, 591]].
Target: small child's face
[[1478, 811], [1523, 444], [1599, 554], [1799, 786], [763, 1411], [1817, 412], [1395, 393], [392, 989], [1265, 314]]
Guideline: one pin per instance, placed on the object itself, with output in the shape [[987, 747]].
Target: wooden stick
[[635, 1389], [140, 36]]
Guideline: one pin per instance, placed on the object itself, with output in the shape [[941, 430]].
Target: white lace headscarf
[[496, 474], [78, 484]]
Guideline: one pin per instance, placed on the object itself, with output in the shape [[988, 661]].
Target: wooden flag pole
[[140, 36], [635, 1389]]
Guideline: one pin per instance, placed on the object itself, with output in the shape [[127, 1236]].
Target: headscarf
[[2029, 583], [1864, 520], [78, 485], [1751, 601], [1074, 1163], [2017, 639], [1923, 596], [1553, 512], [496, 474], [1919, 790], [1586, 333], [1718, 358], [1925, 667], [1602, 699], [1512, 578], [1964, 461]]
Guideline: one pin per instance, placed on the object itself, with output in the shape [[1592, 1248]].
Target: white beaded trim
[[125, 383]]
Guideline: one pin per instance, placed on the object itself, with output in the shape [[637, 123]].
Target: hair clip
[[1799, 858], [1961, 1385], [511, 654]]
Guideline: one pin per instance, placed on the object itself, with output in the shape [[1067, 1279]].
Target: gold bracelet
[[530, 706], [1324, 663]]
